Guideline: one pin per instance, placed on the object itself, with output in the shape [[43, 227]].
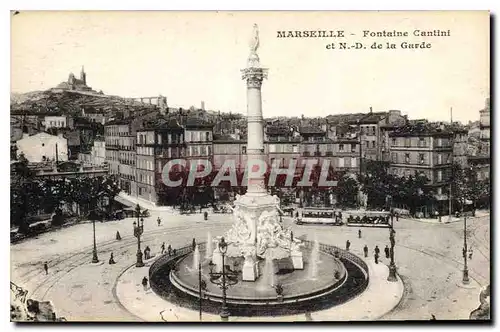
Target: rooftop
[[311, 130], [422, 129]]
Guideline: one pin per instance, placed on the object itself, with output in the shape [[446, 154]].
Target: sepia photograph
[[250, 166]]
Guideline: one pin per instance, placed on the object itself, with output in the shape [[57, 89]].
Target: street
[[428, 257]]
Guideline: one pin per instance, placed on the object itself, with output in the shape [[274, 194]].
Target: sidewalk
[[133, 201], [379, 298], [446, 219]]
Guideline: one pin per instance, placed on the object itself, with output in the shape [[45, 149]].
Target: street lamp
[[465, 277], [228, 279], [392, 266], [95, 259], [202, 286], [138, 230]]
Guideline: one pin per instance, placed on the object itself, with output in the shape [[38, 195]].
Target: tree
[[414, 192], [110, 189], [466, 187], [25, 194], [87, 193], [378, 184], [347, 190]]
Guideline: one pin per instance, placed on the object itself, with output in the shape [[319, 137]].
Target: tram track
[[76, 259]]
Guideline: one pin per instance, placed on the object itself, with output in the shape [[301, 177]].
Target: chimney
[[162, 103], [202, 105]]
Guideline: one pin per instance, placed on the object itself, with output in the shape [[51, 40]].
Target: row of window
[[198, 136], [145, 164], [146, 178], [58, 124], [368, 130], [147, 151], [340, 162], [422, 159], [117, 130], [421, 142], [199, 150]]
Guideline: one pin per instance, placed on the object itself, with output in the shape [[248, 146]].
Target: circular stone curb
[[150, 307]]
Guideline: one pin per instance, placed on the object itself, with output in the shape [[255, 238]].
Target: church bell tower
[[83, 76]]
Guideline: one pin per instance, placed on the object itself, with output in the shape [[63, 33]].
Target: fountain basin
[[296, 283], [171, 280]]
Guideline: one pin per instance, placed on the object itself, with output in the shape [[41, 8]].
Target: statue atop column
[[254, 42], [253, 58]]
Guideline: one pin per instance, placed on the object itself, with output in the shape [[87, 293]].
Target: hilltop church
[[74, 84]]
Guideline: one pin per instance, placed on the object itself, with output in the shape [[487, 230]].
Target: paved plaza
[[428, 256]]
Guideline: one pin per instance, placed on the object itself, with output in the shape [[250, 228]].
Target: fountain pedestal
[[250, 271], [297, 260], [217, 260]]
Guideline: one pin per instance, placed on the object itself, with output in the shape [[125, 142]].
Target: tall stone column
[[256, 211], [253, 74]]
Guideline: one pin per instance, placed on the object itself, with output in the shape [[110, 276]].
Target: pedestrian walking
[[376, 258], [46, 268], [194, 243], [147, 252], [205, 215], [365, 250], [111, 259], [359, 233], [145, 283], [397, 217], [159, 221], [386, 250], [169, 250], [377, 250], [347, 245], [163, 248], [470, 253]]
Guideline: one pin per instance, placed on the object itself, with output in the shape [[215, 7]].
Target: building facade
[[121, 152], [424, 150], [43, 147], [484, 126], [157, 144]]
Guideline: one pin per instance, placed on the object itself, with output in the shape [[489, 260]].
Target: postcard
[[176, 166]]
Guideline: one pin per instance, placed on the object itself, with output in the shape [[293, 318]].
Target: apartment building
[[157, 143], [424, 149], [120, 144]]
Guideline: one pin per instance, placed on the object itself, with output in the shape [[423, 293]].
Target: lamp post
[[392, 266], [465, 277], [202, 286], [228, 279], [138, 230], [95, 259]]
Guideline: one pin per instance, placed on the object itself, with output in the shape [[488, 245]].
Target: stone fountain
[[266, 254], [257, 232]]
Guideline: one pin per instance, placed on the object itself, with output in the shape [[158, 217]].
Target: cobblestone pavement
[[428, 256]]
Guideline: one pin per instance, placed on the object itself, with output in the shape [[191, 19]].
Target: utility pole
[[450, 196], [200, 286]]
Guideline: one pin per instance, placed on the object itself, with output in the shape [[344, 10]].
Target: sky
[[191, 57]]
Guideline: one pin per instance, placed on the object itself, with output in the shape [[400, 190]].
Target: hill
[[70, 102]]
